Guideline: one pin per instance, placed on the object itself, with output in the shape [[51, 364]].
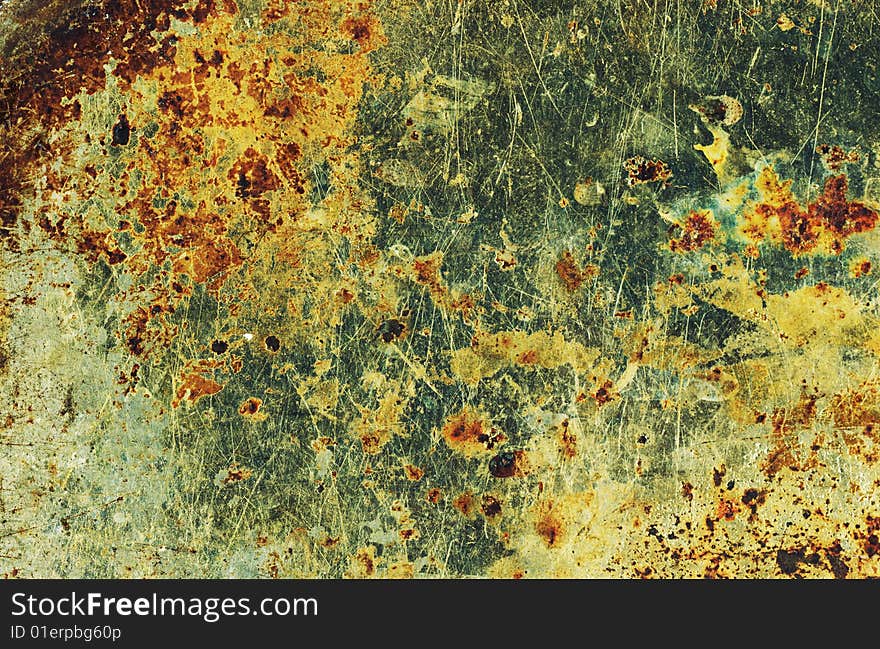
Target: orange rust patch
[[467, 433], [427, 269], [727, 510], [345, 296], [413, 473], [838, 215], [365, 30], [364, 562], [778, 458], [825, 223], [834, 157], [372, 443], [798, 416], [321, 444], [786, 452], [224, 149], [548, 525], [465, 304], [856, 408], [699, 228], [212, 261], [275, 10], [193, 387]]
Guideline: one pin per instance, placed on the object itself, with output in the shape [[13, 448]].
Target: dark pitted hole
[[219, 346], [391, 329], [121, 132], [272, 343], [503, 465]]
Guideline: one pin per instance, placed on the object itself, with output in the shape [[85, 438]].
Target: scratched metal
[[515, 288]]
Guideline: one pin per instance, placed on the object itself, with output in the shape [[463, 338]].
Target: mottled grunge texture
[[440, 288]]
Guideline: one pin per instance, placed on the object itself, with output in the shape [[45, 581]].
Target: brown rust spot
[[549, 526], [434, 495], [490, 506], [235, 474], [466, 504], [250, 406], [121, 131], [786, 451], [427, 269], [364, 562], [721, 109], [727, 510], [365, 30], [778, 458], [860, 268], [413, 473], [567, 441], [345, 296], [834, 157], [640, 170], [372, 442], [753, 498], [252, 176], [605, 393], [835, 212], [687, 491], [871, 540], [146, 329], [508, 464], [569, 272], [528, 357]]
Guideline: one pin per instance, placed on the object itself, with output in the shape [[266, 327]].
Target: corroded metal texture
[[524, 288]]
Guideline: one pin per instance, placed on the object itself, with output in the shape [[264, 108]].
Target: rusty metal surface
[[439, 289]]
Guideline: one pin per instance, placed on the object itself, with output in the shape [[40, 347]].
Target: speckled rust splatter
[[322, 290]]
